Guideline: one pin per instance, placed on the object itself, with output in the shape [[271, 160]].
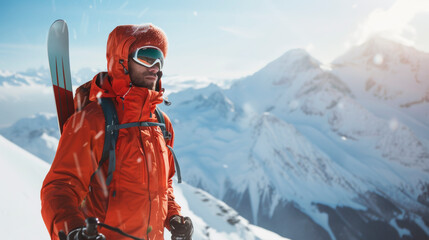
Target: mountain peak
[[377, 49], [381, 45], [293, 62], [296, 54], [378, 40], [293, 57]]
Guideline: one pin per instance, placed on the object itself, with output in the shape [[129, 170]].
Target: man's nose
[[154, 68]]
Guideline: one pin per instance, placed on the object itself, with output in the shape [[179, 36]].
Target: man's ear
[[121, 61]]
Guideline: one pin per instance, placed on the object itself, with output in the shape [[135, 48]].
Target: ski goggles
[[148, 56]]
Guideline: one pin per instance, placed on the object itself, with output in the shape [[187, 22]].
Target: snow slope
[[213, 219], [22, 175]]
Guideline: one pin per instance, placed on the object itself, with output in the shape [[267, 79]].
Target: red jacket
[[140, 196]]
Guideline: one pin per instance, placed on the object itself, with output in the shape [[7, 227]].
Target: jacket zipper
[[148, 174]]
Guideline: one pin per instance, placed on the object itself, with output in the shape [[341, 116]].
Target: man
[[139, 197]]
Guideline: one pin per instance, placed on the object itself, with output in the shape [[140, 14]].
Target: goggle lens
[[149, 56]]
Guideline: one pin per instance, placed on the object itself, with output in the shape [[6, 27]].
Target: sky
[[221, 39]]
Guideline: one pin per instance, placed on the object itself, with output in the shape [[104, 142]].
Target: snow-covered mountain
[[22, 176], [30, 92], [311, 153], [292, 147], [38, 134], [390, 80], [394, 73], [24, 94]]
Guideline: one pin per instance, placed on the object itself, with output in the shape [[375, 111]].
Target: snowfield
[[22, 175]]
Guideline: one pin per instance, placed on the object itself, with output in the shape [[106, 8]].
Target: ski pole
[[91, 229], [92, 223]]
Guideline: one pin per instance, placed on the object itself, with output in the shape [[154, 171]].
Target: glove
[[181, 228], [80, 234]]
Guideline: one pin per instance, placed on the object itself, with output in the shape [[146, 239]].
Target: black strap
[[135, 124], [176, 165], [160, 117], [167, 136], [110, 138]]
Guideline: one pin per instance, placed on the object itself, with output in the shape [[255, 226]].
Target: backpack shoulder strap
[[160, 116], [167, 136], [110, 138]]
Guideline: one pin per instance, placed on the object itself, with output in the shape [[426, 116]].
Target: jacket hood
[[122, 41]]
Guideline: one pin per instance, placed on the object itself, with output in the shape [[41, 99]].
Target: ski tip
[[57, 28], [59, 22]]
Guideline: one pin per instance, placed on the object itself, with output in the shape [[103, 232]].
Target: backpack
[[112, 127]]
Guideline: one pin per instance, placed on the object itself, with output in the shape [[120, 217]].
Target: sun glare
[[394, 22]]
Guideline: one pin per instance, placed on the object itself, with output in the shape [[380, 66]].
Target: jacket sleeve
[[66, 184], [173, 207]]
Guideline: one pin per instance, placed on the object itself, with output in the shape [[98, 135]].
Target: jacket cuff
[[169, 216]]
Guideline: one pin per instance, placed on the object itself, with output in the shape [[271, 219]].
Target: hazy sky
[[216, 39]]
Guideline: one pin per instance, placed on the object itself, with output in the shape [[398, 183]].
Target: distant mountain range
[[307, 151]]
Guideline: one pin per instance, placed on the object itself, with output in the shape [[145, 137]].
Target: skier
[[139, 197]]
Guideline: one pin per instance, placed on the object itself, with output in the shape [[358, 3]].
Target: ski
[[59, 64]]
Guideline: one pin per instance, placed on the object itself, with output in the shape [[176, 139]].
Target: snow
[[29, 94], [422, 224], [214, 219], [264, 234], [38, 134], [5, 73], [22, 175], [394, 76], [402, 232], [175, 83]]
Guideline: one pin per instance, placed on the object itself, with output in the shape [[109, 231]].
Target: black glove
[[181, 228], [81, 234]]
